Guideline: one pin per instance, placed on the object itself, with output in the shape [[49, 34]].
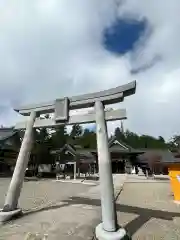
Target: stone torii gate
[[108, 229]]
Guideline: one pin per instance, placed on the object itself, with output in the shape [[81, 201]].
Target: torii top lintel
[[110, 96]]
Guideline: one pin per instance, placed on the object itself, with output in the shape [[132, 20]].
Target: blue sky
[[122, 36]]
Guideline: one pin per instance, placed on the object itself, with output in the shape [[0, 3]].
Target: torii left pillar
[[11, 202]]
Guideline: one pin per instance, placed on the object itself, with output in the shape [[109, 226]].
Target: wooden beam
[[110, 96], [111, 115]]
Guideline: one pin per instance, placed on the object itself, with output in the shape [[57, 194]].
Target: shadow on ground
[[144, 214]]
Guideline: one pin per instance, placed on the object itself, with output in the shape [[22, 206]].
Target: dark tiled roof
[[177, 160], [111, 141], [84, 152], [76, 152], [126, 151], [66, 146], [88, 153], [176, 154], [122, 147], [162, 156], [6, 133]]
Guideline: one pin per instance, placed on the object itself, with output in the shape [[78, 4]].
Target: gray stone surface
[[6, 216], [37, 194], [112, 115], [120, 234], [48, 208], [14, 189], [110, 96], [105, 171], [72, 211], [62, 210], [147, 210]]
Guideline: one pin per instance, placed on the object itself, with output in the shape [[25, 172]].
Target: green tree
[[161, 139], [140, 141], [42, 144], [59, 137], [41, 147], [88, 139], [152, 142], [132, 139], [119, 134], [174, 143], [76, 131]]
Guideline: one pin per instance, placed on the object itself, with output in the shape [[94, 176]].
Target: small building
[[123, 157], [74, 158], [9, 149], [156, 160]]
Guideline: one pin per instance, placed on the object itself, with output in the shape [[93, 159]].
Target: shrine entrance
[[108, 229], [118, 166]]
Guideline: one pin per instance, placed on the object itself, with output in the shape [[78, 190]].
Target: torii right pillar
[[108, 229]]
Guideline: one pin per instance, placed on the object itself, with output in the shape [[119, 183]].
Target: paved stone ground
[[62, 210], [147, 210], [71, 211], [36, 194], [47, 211]]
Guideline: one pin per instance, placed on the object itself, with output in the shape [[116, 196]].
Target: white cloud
[[158, 95], [51, 48]]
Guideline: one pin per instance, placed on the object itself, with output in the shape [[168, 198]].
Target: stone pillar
[[15, 186], [79, 172], [74, 170], [108, 229], [94, 169]]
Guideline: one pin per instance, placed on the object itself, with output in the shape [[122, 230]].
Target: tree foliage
[[76, 131], [88, 139], [59, 137], [143, 141], [41, 147], [47, 140]]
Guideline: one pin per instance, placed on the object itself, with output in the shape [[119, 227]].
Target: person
[[58, 170], [136, 169]]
